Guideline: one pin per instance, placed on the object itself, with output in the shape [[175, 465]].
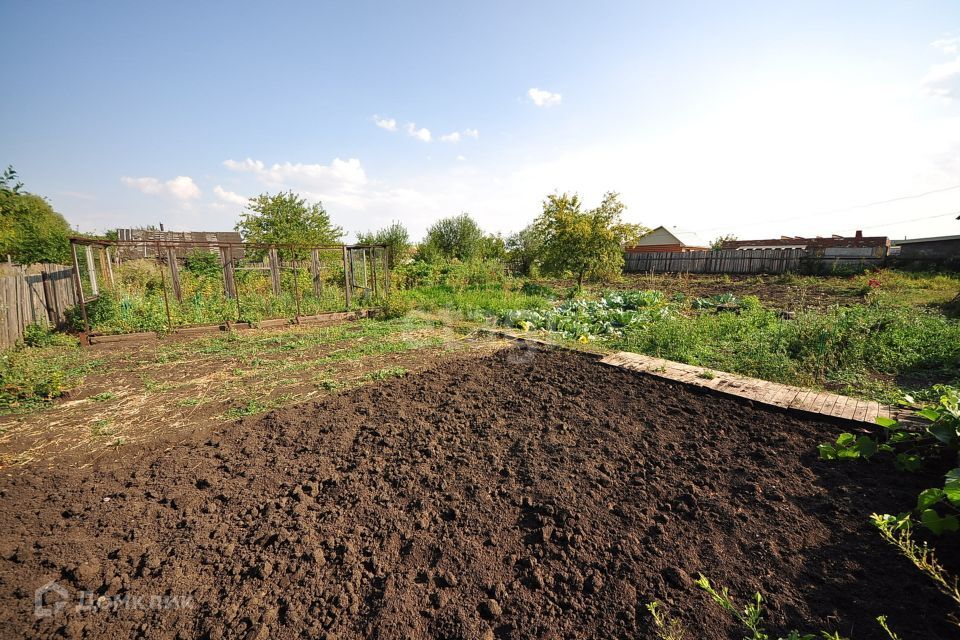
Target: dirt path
[[527, 494]]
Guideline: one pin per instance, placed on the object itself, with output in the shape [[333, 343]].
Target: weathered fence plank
[[730, 261], [39, 294]]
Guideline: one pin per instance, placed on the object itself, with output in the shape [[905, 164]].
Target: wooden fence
[[729, 261], [39, 294]]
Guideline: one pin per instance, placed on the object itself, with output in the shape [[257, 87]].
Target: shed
[[938, 250]]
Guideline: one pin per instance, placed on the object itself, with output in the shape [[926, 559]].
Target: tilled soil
[[527, 494]]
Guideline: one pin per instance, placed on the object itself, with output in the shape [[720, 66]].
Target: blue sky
[[752, 118]]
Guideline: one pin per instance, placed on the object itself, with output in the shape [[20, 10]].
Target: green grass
[[31, 377], [103, 397], [870, 350], [474, 301]]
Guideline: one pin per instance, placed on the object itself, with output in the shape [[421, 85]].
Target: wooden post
[[296, 287], [275, 271], [346, 276], [48, 299], [373, 269], [386, 271], [79, 288], [174, 273], [92, 270], [106, 252], [166, 299], [229, 281], [317, 278]]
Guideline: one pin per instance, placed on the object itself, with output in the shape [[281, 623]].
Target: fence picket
[[24, 298]]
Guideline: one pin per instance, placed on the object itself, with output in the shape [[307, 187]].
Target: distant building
[[663, 239], [942, 250], [187, 241], [857, 245]]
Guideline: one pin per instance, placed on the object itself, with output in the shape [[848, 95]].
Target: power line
[[890, 224], [853, 208]]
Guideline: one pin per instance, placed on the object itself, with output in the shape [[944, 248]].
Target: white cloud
[[948, 45], [943, 80], [180, 187], [461, 157], [420, 134], [457, 136], [341, 181], [543, 98], [385, 123], [229, 196]]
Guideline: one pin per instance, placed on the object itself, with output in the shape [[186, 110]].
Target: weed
[[938, 508], [252, 407], [384, 374], [101, 428], [706, 374], [667, 628], [189, 402], [751, 616], [103, 397], [898, 532]]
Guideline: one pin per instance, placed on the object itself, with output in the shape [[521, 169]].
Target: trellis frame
[[166, 251]]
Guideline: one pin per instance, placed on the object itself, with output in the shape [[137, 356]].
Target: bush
[[395, 306], [35, 335], [201, 262]]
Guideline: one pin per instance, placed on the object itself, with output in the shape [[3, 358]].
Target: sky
[[757, 119]]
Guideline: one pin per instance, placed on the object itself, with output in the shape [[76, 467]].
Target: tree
[[524, 248], [395, 237], [456, 237], [588, 244], [633, 232], [30, 230], [286, 218], [717, 243]]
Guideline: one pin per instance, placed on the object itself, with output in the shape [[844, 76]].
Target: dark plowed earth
[[522, 495]]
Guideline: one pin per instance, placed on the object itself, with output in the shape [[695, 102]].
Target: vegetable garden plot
[[521, 495], [132, 286]]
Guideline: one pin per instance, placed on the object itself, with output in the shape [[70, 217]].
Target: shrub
[[201, 262], [35, 335], [395, 306]]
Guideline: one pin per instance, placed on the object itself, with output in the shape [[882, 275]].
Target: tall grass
[[868, 349]]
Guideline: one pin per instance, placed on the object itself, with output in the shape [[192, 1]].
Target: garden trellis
[[127, 286]]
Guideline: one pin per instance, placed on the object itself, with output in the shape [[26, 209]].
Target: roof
[[662, 235], [933, 239]]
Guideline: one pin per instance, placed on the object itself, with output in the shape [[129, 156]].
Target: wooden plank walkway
[[772, 393]]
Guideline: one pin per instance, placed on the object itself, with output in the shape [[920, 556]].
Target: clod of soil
[[533, 494]]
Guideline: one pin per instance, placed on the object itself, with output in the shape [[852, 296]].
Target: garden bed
[[527, 494]]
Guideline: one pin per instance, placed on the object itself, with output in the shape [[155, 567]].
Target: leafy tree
[[203, 262], [30, 230], [395, 237], [456, 237], [286, 218], [717, 243], [633, 232], [492, 247], [524, 247], [588, 244]]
